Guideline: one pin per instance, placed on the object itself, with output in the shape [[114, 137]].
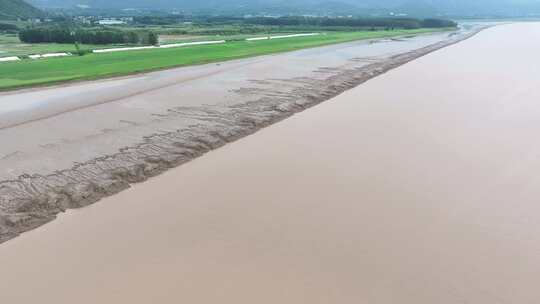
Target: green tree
[[153, 38]]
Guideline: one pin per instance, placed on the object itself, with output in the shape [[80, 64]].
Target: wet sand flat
[[68, 146], [420, 186]]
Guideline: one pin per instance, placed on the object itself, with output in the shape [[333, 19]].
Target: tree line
[[84, 36], [405, 23], [349, 22], [8, 27]]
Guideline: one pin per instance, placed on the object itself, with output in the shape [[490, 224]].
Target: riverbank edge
[[53, 83], [33, 200]]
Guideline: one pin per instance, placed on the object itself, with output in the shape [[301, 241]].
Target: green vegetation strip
[[93, 66], [10, 45]]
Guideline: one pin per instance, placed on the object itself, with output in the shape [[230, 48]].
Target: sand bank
[[424, 193], [69, 146]]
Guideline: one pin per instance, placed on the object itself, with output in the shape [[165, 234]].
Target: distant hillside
[[12, 9], [342, 7]]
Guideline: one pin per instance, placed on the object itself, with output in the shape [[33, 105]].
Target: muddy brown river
[[420, 186]]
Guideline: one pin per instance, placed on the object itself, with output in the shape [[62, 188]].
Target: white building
[[111, 22]]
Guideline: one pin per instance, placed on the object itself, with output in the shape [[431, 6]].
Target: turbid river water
[[419, 186]]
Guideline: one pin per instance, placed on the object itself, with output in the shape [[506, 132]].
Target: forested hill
[[425, 8], [13, 9]]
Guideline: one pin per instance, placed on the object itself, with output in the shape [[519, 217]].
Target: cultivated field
[[10, 45]]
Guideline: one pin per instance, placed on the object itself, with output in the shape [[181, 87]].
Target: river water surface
[[420, 186]]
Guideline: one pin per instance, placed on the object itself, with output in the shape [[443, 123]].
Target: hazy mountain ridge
[[413, 7], [12, 9]]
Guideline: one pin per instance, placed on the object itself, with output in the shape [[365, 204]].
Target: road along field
[[94, 66]]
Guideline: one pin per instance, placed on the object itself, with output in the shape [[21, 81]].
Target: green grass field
[[10, 45], [39, 72]]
